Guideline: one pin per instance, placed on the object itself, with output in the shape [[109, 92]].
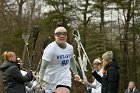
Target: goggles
[[61, 33]]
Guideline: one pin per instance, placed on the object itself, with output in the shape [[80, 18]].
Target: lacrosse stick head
[[40, 81], [76, 34], [35, 32], [25, 37]]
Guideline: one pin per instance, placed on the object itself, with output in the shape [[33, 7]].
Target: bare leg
[[62, 90]]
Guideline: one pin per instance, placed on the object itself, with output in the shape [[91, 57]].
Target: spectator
[[13, 80], [96, 86], [110, 79], [131, 88]]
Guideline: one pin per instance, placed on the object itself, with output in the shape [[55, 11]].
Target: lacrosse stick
[[40, 81], [82, 62], [80, 46], [45, 43], [35, 36], [35, 84], [25, 37]]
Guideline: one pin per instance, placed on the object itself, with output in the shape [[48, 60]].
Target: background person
[[57, 60], [13, 80], [111, 77], [96, 86], [32, 86], [131, 88]]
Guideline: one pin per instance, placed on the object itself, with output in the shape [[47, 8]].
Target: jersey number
[[64, 62]]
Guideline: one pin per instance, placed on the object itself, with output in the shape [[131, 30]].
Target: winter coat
[[133, 91], [13, 80], [31, 86], [110, 80]]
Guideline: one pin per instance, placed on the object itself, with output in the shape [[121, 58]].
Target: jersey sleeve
[[73, 63], [48, 53]]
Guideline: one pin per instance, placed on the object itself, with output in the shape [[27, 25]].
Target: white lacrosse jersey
[[97, 84], [58, 68]]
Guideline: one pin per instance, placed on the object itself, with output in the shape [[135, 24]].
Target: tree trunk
[[102, 32], [85, 22], [126, 29], [126, 75], [134, 66], [31, 15], [29, 30], [1, 83], [19, 17]]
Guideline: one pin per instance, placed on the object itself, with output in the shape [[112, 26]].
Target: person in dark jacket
[[111, 77], [131, 88], [13, 80]]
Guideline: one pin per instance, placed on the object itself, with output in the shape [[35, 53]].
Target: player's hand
[[84, 81], [77, 77], [34, 73]]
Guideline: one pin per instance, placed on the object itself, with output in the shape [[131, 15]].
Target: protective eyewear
[[61, 33], [96, 63]]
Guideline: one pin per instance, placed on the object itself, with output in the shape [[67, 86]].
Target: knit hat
[[97, 61], [108, 56]]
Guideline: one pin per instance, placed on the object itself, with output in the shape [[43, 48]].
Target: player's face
[[60, 36], [96, 66]]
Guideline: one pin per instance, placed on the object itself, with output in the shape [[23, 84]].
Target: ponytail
[[6, 55]]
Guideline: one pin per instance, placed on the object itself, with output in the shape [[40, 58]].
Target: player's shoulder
[[50, 47], [51, 44], [69, 45]]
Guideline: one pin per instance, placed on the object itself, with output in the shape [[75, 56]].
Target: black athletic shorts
[[63, 86]]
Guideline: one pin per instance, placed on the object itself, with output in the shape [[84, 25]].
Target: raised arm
[[97, 76], [16, 74]]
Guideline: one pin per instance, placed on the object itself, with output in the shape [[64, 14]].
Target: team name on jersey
[[63, 56]]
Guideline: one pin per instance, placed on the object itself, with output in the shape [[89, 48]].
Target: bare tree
[[20, 10], [31, 6], [128, 8]]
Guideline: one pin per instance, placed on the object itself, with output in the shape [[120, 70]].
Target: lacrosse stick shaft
[[28, 53], [83, 73], [35, 36], [86, 55]]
